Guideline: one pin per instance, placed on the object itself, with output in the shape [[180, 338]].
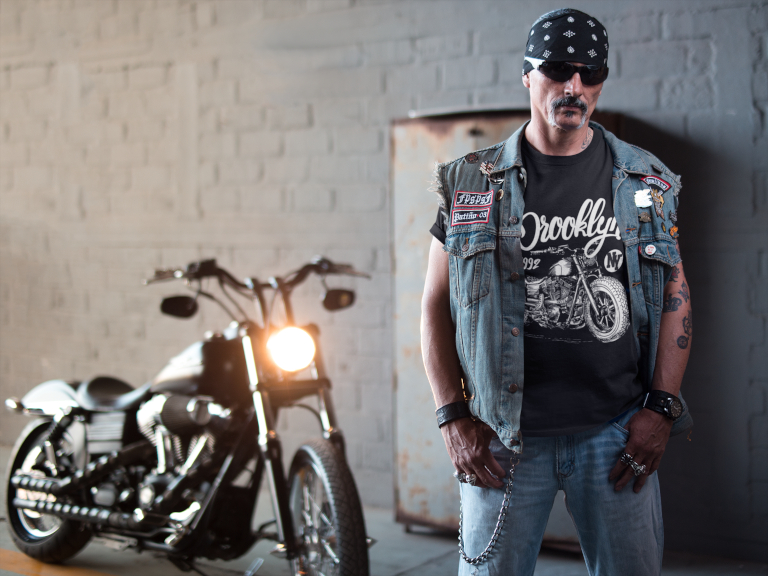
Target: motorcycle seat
[[107, 394]]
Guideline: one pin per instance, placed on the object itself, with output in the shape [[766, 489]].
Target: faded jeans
[[621, 533]]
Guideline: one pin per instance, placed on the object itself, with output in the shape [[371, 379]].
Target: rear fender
[[50, 397]]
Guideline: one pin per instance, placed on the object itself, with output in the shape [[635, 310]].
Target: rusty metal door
[[426, 493]]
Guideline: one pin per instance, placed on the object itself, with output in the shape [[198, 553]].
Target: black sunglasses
[[564, 71]]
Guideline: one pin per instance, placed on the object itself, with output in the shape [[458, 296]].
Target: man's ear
[[526, 81]]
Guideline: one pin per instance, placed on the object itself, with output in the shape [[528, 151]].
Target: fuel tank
[[562, 267], [214, 367]]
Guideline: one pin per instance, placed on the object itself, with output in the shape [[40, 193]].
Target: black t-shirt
[[580, 366]]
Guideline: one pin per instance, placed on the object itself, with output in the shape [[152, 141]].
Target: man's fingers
[[652, 464], [484, 475], [482, 468], [640, 482], [624, 479], [480, 479], [617, 470], [493, 466]]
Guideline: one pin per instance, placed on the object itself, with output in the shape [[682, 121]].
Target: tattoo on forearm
[[682, 341], [671, 304], [684, 292], [675, 274]]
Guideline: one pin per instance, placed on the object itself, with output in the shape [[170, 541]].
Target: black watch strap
[[451, 412], [664, 403]]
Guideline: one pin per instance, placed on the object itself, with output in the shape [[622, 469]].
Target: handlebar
[[209, 269], [319, 265], [564, 249]]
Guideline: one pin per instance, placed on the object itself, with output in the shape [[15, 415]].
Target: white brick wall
[[135, 134]]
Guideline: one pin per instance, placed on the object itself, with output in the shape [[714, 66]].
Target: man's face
[[564, 105]]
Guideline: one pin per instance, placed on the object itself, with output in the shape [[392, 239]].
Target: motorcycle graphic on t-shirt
[[575, 294]]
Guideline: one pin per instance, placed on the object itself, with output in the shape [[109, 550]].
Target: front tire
[[327, 514], [43, 537], [612, 319]]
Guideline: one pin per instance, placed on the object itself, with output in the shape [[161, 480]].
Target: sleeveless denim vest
[[487, 281]]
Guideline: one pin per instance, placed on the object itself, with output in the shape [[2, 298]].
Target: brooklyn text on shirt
[[589, 223]]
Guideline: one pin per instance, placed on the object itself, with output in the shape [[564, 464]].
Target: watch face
[[675, 408]]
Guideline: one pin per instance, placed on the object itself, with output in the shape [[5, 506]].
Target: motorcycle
[[574, 294], [176, 465]]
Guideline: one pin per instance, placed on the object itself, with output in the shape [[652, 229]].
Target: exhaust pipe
[[84, 478], [136, 521]]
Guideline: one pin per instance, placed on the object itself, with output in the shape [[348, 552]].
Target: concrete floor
[[396, 553]]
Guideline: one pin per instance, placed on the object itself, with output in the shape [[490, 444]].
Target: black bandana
[[567, 35]]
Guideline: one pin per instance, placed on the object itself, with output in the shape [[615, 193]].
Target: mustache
[[569, 101]]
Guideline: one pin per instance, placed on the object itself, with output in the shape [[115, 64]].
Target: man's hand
[[467, 442], [648, 437]]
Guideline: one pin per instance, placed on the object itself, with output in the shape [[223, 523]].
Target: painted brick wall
[[144, 133]]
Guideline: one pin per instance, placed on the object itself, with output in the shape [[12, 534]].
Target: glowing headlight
[[291, 348]]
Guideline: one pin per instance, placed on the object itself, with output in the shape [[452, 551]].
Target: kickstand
[[186, 565]]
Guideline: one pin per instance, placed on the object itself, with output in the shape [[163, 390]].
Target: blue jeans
[[621, 533]]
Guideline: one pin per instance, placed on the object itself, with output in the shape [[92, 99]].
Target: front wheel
[[43, 537], [327, 514], [611, 320]]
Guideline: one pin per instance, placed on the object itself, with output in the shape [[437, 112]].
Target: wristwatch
[[664, 403]]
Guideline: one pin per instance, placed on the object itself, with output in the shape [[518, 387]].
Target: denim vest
[[487, 281]]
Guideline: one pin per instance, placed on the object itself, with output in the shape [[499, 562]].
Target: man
[[556, 315]]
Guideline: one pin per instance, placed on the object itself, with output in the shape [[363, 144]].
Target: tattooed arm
[[675, 334], [648, 430]]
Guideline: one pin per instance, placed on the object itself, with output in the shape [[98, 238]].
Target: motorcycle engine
[[558, 290], [183, 428]]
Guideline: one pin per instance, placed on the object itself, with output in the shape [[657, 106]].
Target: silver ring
[[637, 469], [470, 479], [460, 476]]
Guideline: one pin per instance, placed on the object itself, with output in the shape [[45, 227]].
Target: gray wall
[[144, 133]]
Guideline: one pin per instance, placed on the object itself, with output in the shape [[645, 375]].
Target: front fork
[[327, 412], [271, 448]]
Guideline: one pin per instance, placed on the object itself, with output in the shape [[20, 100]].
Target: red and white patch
[[465, 217], [464, 199], [662, 185]]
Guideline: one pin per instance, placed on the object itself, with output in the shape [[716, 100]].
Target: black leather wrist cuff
[[451, 412], [664, 403]]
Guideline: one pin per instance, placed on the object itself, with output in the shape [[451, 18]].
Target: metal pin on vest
[[487, 169]]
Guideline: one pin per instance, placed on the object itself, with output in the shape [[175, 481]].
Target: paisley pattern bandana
[[567, 35]]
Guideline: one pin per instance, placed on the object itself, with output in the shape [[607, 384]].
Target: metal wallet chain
[[483, 556]]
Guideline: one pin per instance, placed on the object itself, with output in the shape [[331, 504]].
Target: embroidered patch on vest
[[464, 217], [465, 199], [658, 187], [663, 185]]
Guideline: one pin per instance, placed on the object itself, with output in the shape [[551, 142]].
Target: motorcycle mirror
[[338, 299], [179, 306]]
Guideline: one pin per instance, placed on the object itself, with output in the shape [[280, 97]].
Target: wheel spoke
[[330, 552], [606, 311]]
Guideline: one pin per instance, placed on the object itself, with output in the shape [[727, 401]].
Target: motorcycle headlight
[[291, 348]]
